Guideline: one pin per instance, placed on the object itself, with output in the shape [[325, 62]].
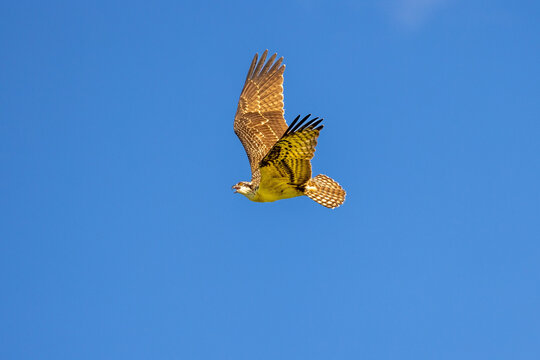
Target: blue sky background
[[120, 235]]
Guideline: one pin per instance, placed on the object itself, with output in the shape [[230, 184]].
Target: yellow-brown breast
[[276, 189]]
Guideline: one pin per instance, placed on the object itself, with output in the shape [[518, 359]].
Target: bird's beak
[[235, 188]]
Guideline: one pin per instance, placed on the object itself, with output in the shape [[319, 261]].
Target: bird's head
[[244, 188]]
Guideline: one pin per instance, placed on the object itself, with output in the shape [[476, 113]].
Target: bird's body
[[272, 189], [280, 156]]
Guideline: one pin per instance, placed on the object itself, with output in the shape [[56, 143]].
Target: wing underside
[[259, 121]]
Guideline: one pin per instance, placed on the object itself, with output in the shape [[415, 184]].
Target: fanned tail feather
[[325, 191]]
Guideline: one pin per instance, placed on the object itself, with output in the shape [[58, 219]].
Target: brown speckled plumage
[[280, 156]]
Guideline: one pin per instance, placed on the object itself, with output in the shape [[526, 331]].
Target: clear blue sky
[[120, 237]]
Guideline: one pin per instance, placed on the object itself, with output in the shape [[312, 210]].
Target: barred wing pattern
[[259, 121], [289, 159]]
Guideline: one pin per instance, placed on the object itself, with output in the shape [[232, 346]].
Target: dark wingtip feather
[[300, 125], [292, 125], [314, 125], [311, 124]]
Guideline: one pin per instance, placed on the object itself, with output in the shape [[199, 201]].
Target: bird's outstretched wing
[[289, 158], [259, 121]]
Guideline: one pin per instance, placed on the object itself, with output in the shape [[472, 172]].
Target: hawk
[[279, 155]]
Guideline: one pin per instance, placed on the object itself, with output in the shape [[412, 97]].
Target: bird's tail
[[325, 191]]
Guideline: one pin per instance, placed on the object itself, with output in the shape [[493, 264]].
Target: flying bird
[[279, 155]]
